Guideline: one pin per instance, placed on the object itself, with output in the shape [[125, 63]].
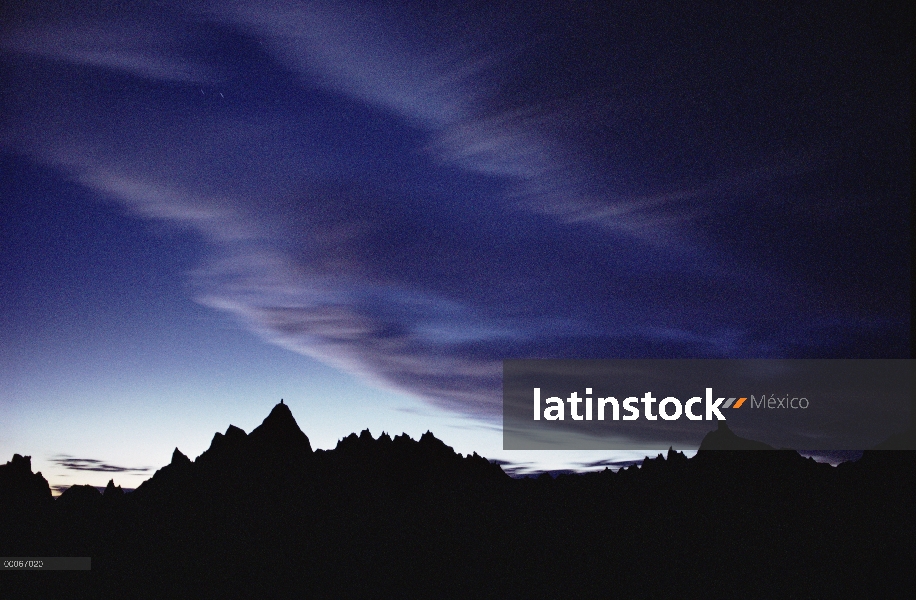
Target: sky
[[364, 207]]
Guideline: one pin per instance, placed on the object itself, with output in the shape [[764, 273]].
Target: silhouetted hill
[[263, 515], [905, 440], [80, 496], [724, 438]]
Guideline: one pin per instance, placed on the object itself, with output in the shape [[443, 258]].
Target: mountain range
[[263, 515]]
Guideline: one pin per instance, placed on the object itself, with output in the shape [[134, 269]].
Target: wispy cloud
[[617, 464], [412, 195], [90, 464], [373, 53], [451, 89], [146, 45]]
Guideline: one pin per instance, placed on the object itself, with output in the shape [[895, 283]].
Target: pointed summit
[[111, 490], [280, 417], [179, 458], [724, 438], [280, 427]]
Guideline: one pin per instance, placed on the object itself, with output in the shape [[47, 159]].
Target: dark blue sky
[[364, 207]]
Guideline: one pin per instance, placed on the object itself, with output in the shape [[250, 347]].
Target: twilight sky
[[363, 207]]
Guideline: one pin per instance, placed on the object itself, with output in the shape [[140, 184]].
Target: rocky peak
[[111, 490], [20, 465], [280, 427], [179, 459], [676, 458], [18, 483], [724, 438]]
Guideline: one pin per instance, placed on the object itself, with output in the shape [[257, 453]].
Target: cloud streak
[[413, 195], [73, 463]]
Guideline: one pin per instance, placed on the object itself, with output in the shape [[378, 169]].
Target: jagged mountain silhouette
[[264, 515]]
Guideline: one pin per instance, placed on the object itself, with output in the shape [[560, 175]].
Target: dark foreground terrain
[[261, 515]]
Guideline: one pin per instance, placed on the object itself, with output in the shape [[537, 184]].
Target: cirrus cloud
[[413, 195]]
